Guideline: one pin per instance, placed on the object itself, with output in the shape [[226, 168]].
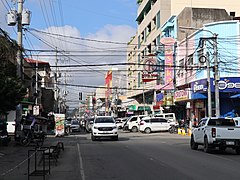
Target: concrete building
[[152, 15], [192, 79]]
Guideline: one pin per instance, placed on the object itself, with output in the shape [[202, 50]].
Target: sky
[[80, 26]]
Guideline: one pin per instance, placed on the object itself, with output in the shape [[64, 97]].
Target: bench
[[53, 151]]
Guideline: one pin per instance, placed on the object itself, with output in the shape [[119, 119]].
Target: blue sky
[[87, 16], [111, 20]]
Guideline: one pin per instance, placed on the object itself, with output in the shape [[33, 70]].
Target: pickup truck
[[216, 132]]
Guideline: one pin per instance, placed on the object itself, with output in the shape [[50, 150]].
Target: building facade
[[158, 19]]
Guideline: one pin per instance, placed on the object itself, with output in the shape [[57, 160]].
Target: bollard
[[179, 131], [183, 132], [189, 132]]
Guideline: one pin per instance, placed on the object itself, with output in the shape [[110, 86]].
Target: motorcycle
[[31, 132], [173, 129], [4, 137]]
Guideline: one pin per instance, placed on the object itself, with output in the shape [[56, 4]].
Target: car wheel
[[93, 137], [25, 141], [206, 148], [147, 130], [238, 151], [193, 145], [134, 129], [115, 138], [222, 148]]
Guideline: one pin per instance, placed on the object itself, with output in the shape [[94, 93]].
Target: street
[[134, 156]]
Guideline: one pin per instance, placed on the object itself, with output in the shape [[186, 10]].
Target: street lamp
[[216, 73]]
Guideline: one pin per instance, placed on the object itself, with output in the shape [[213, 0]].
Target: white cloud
[[111, 33]]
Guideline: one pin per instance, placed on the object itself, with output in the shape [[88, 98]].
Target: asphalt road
[[135, 156], [152, 157]]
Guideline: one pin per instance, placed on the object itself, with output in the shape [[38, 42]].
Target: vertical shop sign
[[59, 124], [169, 69]]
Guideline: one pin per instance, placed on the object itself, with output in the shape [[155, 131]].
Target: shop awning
[[235, 96], [198, 96], [132, 108]]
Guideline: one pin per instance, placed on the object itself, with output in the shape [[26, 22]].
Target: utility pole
[[209, 87], [186, 59], [216, 75], [56, 88], [19, 51], [19, 55]]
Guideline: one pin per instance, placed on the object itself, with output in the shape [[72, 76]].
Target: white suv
[[104, 126], [133, 122], [153, 124]]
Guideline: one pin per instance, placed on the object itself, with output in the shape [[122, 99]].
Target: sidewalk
[[14, 161]]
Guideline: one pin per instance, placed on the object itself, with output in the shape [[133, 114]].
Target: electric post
[[216, 75], [209, 87], [19, 55], [19, 29]]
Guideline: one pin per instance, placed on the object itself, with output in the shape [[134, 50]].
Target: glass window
[[155, 120], [133, 119], [139, 79], [221, 122], [104, 120], [163, 120], [139, 59], [158, 20], [139, 40]]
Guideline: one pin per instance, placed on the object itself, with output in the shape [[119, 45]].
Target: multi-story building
[[212, 49], [152, 15]]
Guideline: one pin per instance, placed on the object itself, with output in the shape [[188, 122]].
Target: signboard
[[181, 95], [150, 65], [59, 124], [147, 77], [168, 43], [159, 99]]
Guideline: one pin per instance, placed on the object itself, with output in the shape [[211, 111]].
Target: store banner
[[181, 95], [59, 124]]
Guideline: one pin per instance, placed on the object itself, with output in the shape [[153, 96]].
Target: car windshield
[[75, 122], [104, 120]]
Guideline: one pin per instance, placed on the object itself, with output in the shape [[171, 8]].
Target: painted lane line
[[81, 163]]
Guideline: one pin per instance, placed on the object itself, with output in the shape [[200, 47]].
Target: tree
[[12, 88]]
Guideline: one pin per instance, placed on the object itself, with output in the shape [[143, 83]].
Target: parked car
[[104, 126], [153, 124], [132, 124], [169, 116], [220, 132], [89, 124], [75, 126]]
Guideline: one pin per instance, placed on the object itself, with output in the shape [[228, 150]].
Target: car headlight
[[95, 127], [114, 127]]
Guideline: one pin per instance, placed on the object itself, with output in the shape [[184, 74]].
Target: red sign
[[150, 65], [168, 67], [149, 77]]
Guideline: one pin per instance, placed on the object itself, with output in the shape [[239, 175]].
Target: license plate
[[230, 143], [105, 132]]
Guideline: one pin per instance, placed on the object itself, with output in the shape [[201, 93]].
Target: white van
[[133, 123], [169, 116]]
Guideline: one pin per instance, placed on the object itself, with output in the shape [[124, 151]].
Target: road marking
[[81, 163]]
